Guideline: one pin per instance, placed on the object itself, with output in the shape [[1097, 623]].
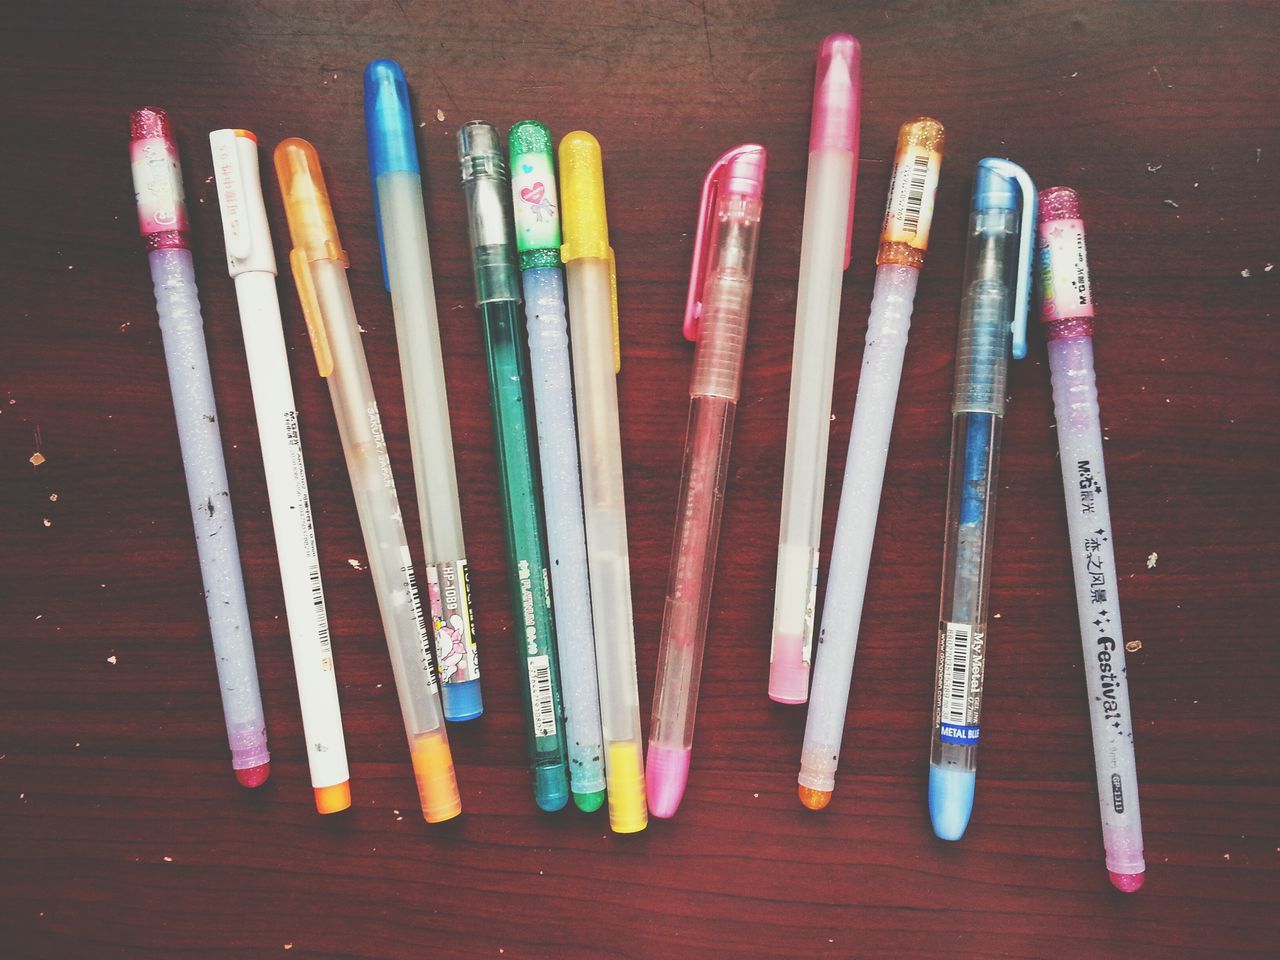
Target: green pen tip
[[529, 136], [589, 802]]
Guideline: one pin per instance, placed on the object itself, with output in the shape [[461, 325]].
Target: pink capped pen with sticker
[[824, 256], [1068, 316], [716, 312]]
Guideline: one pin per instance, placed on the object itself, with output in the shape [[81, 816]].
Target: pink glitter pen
[[1067, 313], [715, 318]]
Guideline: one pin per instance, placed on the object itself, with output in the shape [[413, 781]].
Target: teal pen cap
[[1001, 185], [533, 190], [389, 132]]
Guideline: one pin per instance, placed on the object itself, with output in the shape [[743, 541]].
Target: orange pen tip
[[814, 799], [333, 799], [437, 783]]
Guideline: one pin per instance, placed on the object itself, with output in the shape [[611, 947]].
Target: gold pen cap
[[583, 223]]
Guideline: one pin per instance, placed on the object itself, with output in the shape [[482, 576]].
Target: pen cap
[[737, 176], [1001, 186], [908, 214], [306, 202], [585, 224], [389, 133], [837, 104], [488, 194], [1066, 299], [533, 195], [244, 214], [157, 180]]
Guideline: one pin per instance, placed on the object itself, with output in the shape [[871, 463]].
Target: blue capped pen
[[406, 268], [993, 324]]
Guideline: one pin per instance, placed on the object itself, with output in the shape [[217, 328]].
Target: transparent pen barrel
[[1075, 400], [693, 562]]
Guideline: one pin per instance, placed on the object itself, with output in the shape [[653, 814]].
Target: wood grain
[[122, 832]]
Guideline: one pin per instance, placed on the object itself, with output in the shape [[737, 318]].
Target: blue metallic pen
[[993, 324], [406, 268]]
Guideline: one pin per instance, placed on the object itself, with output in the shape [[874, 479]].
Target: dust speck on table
[[1133, 646], [355, 564], [1152, 557], [112, 659], [36, 459]]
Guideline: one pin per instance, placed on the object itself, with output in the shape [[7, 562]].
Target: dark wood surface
[[122, 832]]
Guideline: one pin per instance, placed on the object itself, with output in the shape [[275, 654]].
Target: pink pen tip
[[1059, 203], [837, 93], [666, 773], [254, 776], [150, 123], [1127, 882], [788, 673]]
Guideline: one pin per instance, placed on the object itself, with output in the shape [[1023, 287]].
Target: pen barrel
[[552, 377], [390, 562], [693, 561], [191, 385], [293, 526], [869, 435], [1084, 482], [535, 635], [822, 243]]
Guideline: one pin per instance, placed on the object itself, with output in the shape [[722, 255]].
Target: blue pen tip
[[550, 787], [462, 701], [950, 800]]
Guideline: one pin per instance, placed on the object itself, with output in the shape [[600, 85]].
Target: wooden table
[[122, 831]]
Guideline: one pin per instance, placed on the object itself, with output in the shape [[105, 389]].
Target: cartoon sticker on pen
[[533, 187], [451, 622]]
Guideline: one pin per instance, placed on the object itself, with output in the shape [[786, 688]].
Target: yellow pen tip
[[814, 799], [584, 226], [333, 799], [437, 783], [628, 812]]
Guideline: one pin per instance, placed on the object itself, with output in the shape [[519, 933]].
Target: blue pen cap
[[1000, 184], [461, 700], [389, 131]]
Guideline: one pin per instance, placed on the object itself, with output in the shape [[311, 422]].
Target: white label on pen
[[959, 696], [411, 592], [909, 213], [302, 503], [541, 701]]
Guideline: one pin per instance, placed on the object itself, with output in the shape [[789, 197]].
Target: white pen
[[252, 264]]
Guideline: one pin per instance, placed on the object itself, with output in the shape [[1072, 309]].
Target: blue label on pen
[[960, 734]]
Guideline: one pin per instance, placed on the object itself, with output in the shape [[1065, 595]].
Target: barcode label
[[909, 213], [303, 503], [960, 660], [544, 706], [411, 592]]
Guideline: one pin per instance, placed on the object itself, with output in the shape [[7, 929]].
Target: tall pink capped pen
[[824, 256], [716, 312]]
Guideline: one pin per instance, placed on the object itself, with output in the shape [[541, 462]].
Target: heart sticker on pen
[[533, 194]]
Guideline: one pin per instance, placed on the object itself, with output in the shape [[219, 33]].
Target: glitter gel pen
[[1067, 313], [162, 217], [993, 323], [716, 312]]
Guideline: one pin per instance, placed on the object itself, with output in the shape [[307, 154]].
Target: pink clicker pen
[[716, 319], [1067, 312]]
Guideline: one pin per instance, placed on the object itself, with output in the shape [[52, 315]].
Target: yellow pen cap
[[628, 811], [583, 223], [306, 202], [433, 770]]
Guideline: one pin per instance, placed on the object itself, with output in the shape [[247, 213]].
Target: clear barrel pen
[[593, 325], [1068, 315], [537, 221], [993, 323], [320, 272], [487, 189], [716, 313], [162, 218], [406, 265], [824, 255], [903, 241], [251, 261]]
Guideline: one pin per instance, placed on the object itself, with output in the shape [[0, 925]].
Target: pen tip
[[814, 799], [254, 776], [1127, 882]]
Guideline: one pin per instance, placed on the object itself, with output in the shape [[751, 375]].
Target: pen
[[593, 320], [824, 255], [1067, 312], [162, 217], [406, 264], [320, 272], [993, 323], [251, 261], [487, 189], [537, 219], [716, 312], [903, 240]]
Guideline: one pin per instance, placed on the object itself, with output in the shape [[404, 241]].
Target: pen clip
[[1026, 249], [613, 305], [311, 310], [848, 230], [237, 231]]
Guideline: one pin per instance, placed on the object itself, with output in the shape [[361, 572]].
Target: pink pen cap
[[1066, 299], [157, 180], [738, 173], [837, 104]]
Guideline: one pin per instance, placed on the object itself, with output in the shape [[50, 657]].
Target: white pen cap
[[244, 214]]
